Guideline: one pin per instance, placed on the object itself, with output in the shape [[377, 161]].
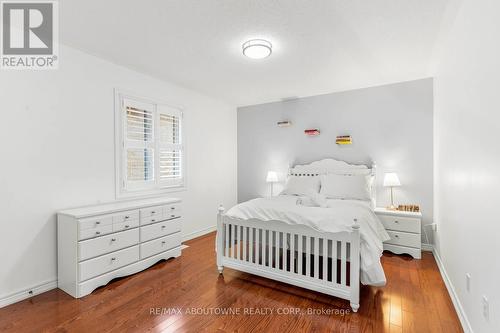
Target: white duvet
[[337, 216]]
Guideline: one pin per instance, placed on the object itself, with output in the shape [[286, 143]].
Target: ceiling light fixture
[[257, 48]]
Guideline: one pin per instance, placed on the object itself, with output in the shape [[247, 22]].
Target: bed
[[330, 248]]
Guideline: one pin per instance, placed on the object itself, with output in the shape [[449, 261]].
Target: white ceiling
[[319, 46]]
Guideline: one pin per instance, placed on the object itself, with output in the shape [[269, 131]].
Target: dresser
[[404, 228], [96, 244]]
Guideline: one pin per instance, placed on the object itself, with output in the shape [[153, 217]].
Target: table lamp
[[391, 180], [272, 177]]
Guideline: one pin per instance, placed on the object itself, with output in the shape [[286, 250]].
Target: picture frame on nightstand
[[405, 231]]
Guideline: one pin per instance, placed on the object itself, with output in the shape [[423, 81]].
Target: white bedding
[[338, 216]]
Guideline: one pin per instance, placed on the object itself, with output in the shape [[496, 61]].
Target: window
[[150, 151]]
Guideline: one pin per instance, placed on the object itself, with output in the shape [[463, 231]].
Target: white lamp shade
[[272, 177], [391, 179]]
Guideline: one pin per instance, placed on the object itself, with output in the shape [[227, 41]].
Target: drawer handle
[[163, 226], [172, 208], [396, 221], [153, 220], [127, 217], [153, 212], [397, 236], [97, 232], [127, 226], [113, 259], [113, 239], [97, 222], [172, 215], [163, 243]]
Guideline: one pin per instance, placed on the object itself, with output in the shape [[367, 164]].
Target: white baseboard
[[198, 233], [427, 247], [27, 293], [454, 297]]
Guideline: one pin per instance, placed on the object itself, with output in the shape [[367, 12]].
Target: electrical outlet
[[434, 227], [467, 281], [486, 308]]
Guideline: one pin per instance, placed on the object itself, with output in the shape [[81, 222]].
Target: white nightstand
[[404, 229]]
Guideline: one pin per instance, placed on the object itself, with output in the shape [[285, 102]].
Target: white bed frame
[[295, 254]]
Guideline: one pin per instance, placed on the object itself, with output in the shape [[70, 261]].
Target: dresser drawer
[[172, 211], [95, 232], [404, 239], [152, 211], [151, 219], [159, 245], [171, 215], [94, 222], [126, 216], [126, 225], [400, 223], [160, 229], [106, 263], [105, 244]]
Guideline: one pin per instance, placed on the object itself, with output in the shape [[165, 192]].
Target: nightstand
[[404, 230]]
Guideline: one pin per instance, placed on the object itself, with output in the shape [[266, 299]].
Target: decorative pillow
[[301, 185], [346, 186]]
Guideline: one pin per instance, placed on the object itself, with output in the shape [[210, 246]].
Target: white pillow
[[301, 185], [346, 186]]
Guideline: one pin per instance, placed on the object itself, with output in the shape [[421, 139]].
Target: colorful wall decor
[[312, 132], [343, 140], [284, 123]]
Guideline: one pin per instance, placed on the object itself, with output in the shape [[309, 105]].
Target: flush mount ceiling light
[[257, 48]]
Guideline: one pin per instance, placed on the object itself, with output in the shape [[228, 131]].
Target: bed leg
[[354, 307], [220, 269]]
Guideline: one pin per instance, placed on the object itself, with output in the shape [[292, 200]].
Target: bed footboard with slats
[[293, 254]]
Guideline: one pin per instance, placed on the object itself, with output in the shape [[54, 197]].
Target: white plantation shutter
[[170, 146], [140, 123], [152, 151], [139, 144]]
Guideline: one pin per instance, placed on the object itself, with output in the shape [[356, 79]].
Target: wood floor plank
[[415, 299]]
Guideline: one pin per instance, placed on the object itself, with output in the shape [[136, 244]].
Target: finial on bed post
[[221, 209], [356, 225]]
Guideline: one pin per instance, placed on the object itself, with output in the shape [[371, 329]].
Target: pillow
[[301, 185], [346, 186]]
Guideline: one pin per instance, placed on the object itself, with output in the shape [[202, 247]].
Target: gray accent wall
[[391, 125]]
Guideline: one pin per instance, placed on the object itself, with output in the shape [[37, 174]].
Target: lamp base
[[391, 207]]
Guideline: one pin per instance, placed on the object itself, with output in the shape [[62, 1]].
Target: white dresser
[[99, 243], [404, 228]]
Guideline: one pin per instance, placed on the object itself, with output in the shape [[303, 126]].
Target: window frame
[[124, 190]]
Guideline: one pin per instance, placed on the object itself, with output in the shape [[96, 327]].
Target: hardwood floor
[[187, 295]]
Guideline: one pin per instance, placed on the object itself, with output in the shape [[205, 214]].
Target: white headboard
[[330, 165]]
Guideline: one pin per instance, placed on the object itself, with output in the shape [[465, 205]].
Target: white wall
[[467, 148], [57, 151], [391, 125]]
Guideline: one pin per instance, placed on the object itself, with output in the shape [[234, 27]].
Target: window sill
[[141, 194]]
